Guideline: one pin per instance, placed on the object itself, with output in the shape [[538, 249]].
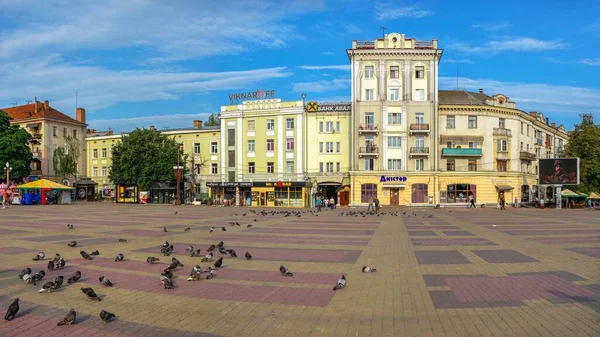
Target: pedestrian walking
[[502, 204], [370, 208], [319, 203], [376, 202], [332, 203], [516, 203], [589, 204], [472, 202]]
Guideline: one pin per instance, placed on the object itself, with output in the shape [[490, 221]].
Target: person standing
[[370, 205], [376, 202], [319, 203], [589, 204], [516, 202], [332, 203], [472, 202], [502, 203]]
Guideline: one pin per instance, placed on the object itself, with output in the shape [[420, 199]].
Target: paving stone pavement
[[444, 272]]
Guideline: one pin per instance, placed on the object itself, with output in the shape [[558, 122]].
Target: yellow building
[[262, 159]]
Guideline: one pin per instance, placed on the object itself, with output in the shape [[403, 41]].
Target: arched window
[[368, 191], [461, 192], [419, 193]]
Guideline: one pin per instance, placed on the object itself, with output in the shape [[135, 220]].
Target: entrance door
[[394, 196], [262, 199], [344, 198]]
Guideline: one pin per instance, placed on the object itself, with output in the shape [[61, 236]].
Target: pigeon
[[189, 249], [196, 253], [220, 244], [254, 220], [222, 250], [208, 257], [152, 259], [58, 282], [195, 277], [106, 316], [179, 264], [47, 287], [248, 226], [57, 258], [212, 229], [367, 269], [76, 277], [91, 294], [224, 229], [105, 281], [172, 266], [165, 229], [72, 244], [27, 278], [232, 253], [12, 310], [95, 253], [284, 271], [26, 271], [119, 257], [123, 240], [167, 273], [40, 256], [38, 277], [211, 274], [341, 283], [50, 265], [166, 251], [61, 263], [166, 244], [175, 212], [248, 256], [85, 255], [187, 229], [211, 248], [219, 262], [69, 319], [69, 226], [168, 283]]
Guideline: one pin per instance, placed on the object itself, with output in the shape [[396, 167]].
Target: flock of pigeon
[[166, 277]]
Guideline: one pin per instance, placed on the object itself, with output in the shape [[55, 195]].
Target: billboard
[[559, 171]]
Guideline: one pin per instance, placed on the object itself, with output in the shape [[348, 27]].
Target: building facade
[[50, 129]]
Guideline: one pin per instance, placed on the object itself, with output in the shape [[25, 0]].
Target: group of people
[[374, 205], [5, 195], [323, 202]]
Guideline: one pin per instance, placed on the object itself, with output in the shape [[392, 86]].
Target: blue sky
[[165, 63]]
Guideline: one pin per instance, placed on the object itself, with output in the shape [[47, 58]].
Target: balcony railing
[[419, 127], [502, 132], [458, 152], [37, 154], [423, 45], [365, 45], [419, 151], [368, 127], [501, 155], [368, 151], [524, 155]]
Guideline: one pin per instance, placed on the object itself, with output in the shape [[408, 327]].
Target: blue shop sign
[[386, 179]]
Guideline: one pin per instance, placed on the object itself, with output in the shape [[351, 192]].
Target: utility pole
[[178, 200], [383, 29]]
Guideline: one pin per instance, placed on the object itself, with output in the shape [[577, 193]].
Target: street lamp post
[[178, 170], [7, 169]]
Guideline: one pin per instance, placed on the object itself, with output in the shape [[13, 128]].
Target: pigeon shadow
[[26, 311], [81, 319], [592, 303]]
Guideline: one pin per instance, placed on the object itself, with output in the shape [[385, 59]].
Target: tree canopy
[[213, 120], [14, 148], [64, 158], [144, 157], [584, 143]]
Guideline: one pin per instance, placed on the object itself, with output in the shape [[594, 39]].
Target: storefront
[[127, 194], [267, 194], [390, 190]]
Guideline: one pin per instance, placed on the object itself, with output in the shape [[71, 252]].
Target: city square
[[448, 271]]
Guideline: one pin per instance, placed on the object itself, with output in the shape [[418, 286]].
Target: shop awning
[[329, 184], [594, 195], [504, 188], [44, 184], [394, 186], [568, 193]]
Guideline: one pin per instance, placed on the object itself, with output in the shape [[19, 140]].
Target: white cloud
[[559, 102], [353, 29], [492, 26], [389, 11], [456, 61], [594, 26], [327, 53], [333, 67], [329, 99], [321, 86], [159, 121], [514, 44], [595, 62]]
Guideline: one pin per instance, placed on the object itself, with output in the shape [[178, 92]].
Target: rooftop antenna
[[456, 77], [15, 103], [383, 29], [76, 101], [28, 101]]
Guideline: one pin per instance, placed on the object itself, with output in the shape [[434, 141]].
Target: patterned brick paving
[[441, 272]]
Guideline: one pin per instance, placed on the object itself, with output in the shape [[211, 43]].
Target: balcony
[[419, 151], [423, 45], [502, 155], [524, 155], [365, 45], [37, 154], [458, 152], [36, 137], [502, 132], [419, 128], [372, 150], [538, 142], [368, 127]]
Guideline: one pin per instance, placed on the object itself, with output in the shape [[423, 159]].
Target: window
[[214, 168], [394, 164], [420, 118], [521, 148], [501, 123], [527, 130], [104, 152], [394, 141], [214, 147], [104, 171], [231, 156], [230, 137], [369, 95], [251, 146], [419, 164], [522, 127], [55, 131], [95, 153], [251, 168], [501, 165], [337, 167], [450, 122], [460, 193], [419, 72], [368, 192], [420, 142], [394, 72], [420, 95], [196, 148], [449, 145], [419, 193], [394, 94], [472, 122], [338, 147], [369, 118], [502, 145], [337, 126], [369, 164], [321, 167], [472, 145], [270, 145], [329, 147], [250, 125], [472, 165], [450, 165], [270, 167], [289, 144], [289, 123], [394, 118], [65, 132], [95, 171], [527, 147], [329, 167], [321, 127], [369, 72], [320, 147], [329, 127], [74, 133], [289, 167], [270, 124]]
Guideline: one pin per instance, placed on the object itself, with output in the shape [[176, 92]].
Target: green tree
[[14, 148], [65, 158], [144, 157], [584, 143], [213, 120]]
